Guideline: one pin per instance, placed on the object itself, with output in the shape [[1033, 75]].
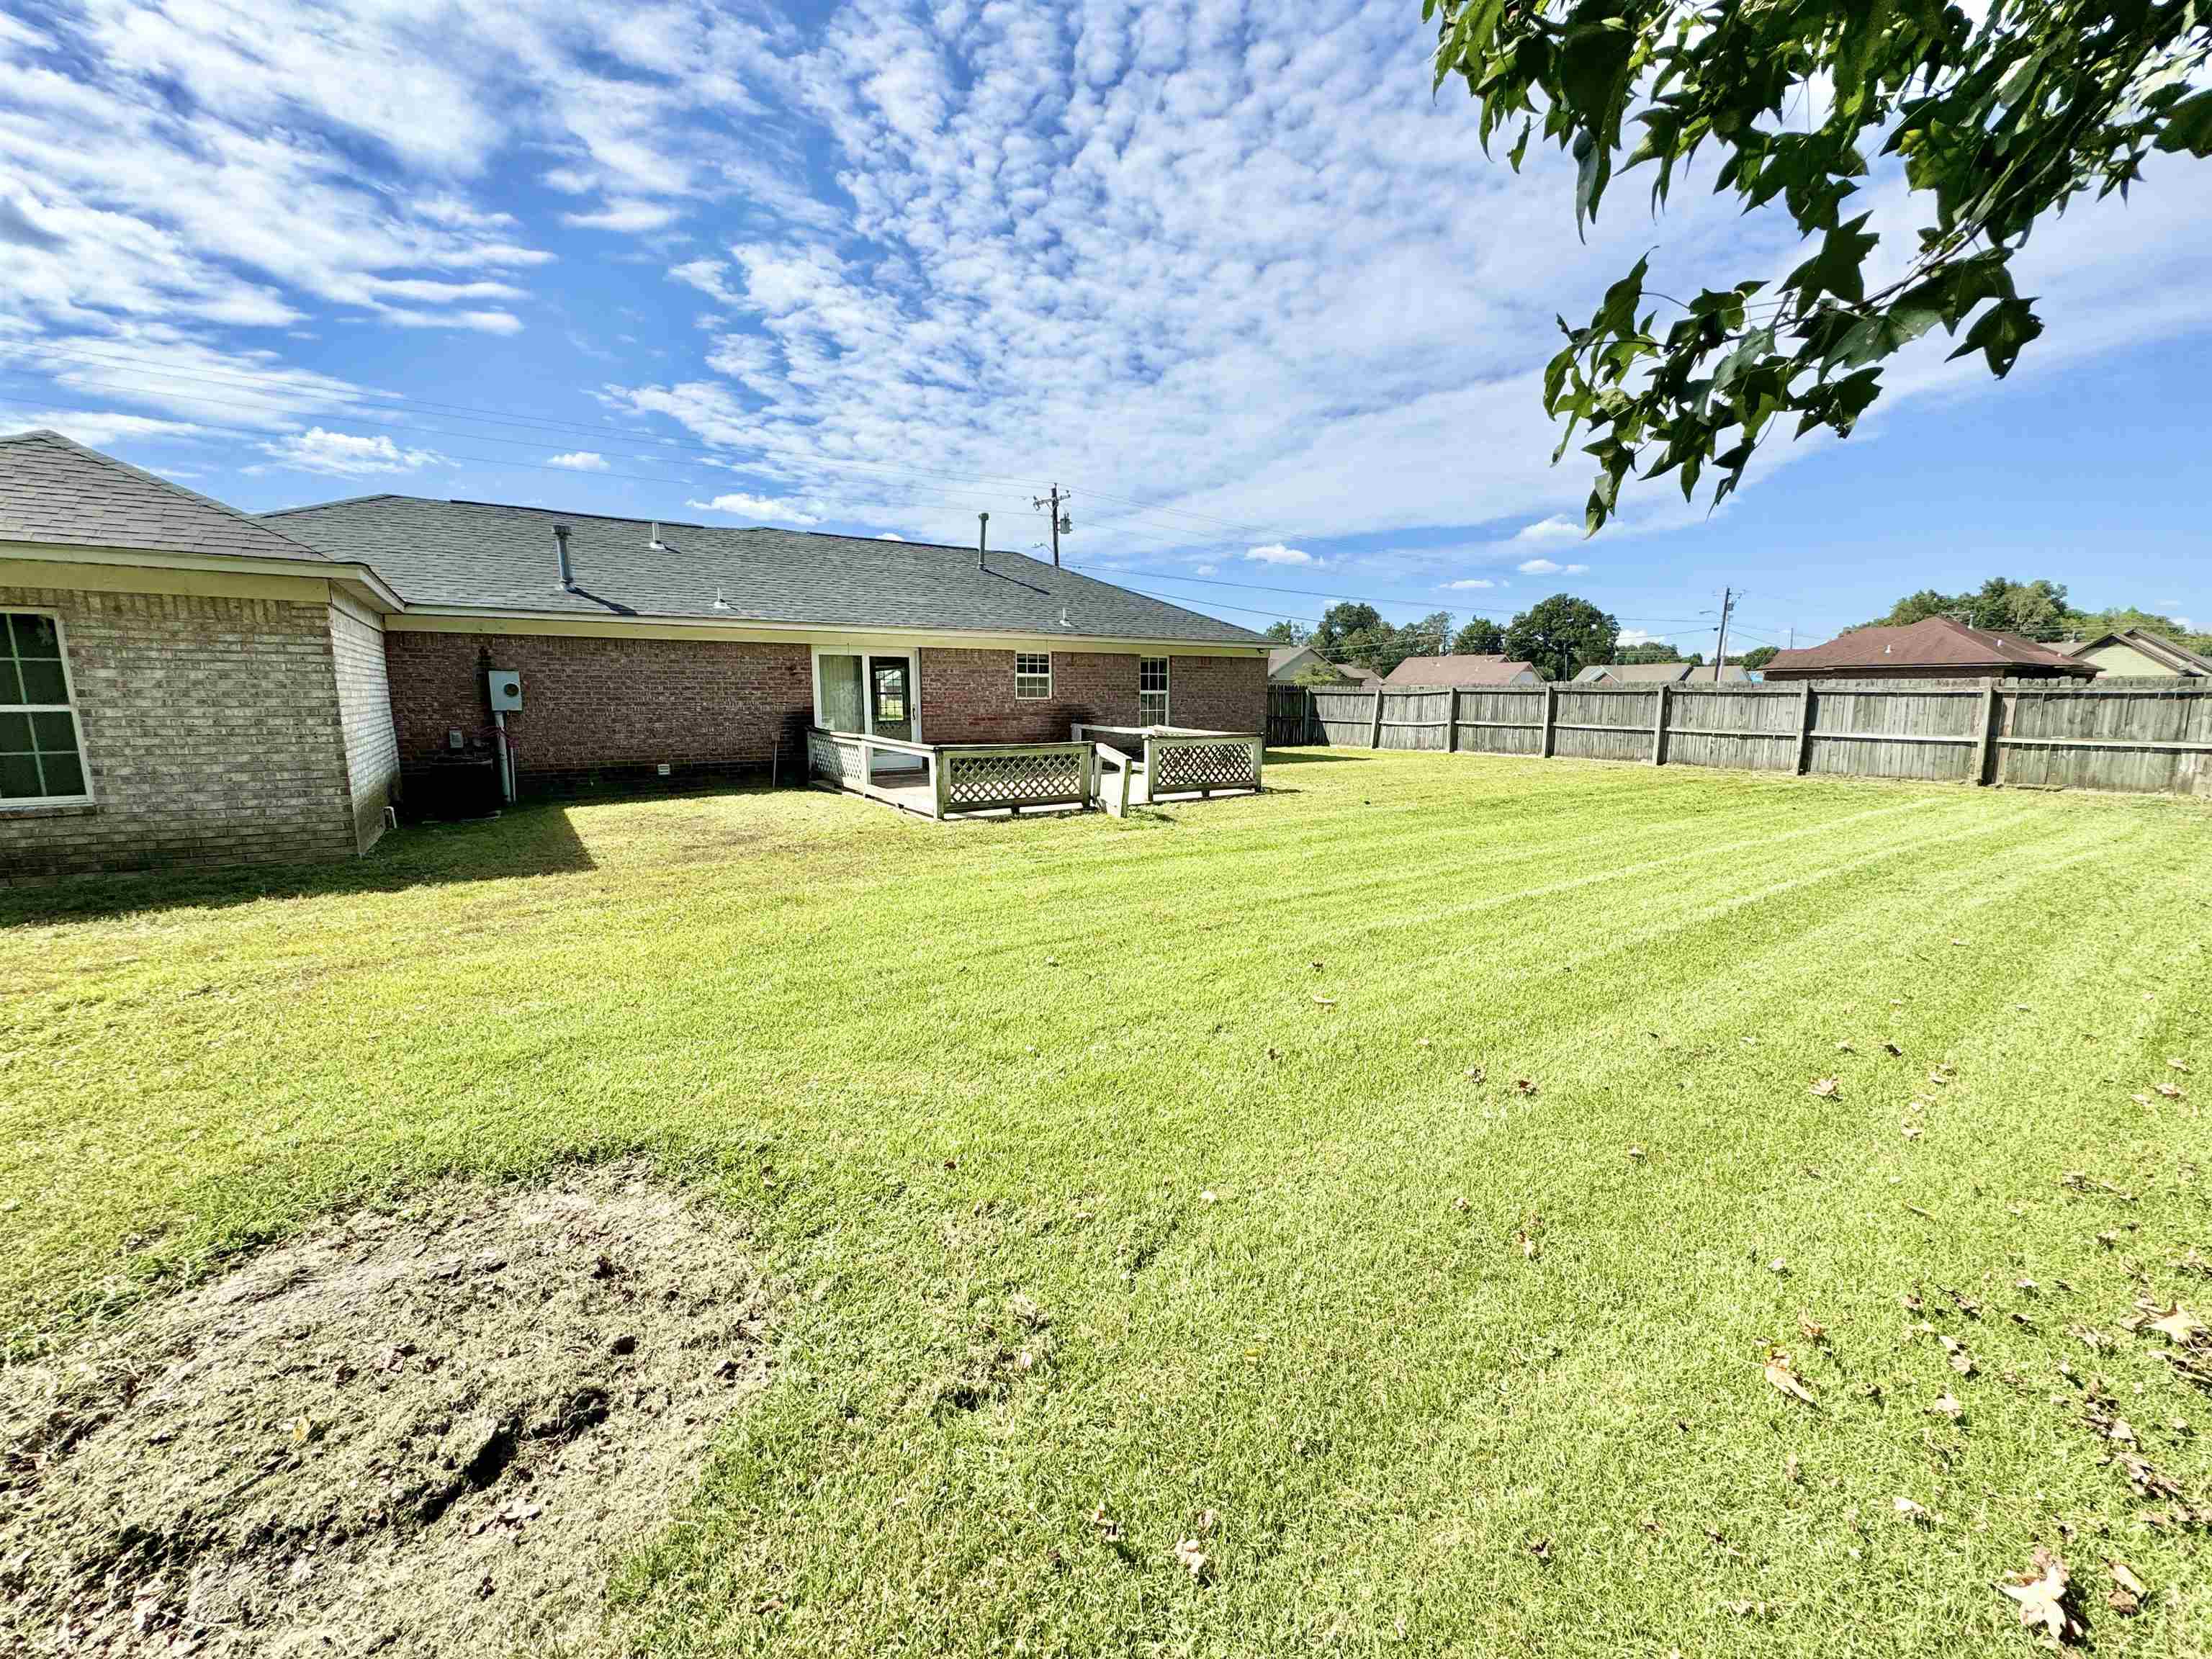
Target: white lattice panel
[[1179, 768], [973, 780]]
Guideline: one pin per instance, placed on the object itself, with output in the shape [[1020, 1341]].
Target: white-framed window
[[1033, 674], [1151, 691], [41, 745]]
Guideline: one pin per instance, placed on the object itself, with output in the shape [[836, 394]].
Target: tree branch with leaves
[[1995, 124]]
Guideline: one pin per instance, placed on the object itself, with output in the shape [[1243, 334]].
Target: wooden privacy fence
[[2145, 736]]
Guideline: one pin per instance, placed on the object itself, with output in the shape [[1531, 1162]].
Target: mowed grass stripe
[[1383, 1399]]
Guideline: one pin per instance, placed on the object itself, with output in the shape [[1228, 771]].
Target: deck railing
[[1181, 760], [944, 780]]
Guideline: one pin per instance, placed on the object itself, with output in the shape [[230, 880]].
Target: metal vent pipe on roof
[[561, 547], [983, 537]]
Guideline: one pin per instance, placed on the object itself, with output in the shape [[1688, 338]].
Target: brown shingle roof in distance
[[1930, 643]]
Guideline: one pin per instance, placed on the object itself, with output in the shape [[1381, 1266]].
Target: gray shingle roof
[[56, 491], [479, 554]]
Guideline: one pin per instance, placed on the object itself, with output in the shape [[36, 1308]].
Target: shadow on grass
[[535, 839], [1313, 757]]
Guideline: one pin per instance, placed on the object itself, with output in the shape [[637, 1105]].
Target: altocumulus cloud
[[346, 454], [579, 461]]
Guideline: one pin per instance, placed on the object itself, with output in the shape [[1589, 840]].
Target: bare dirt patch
[[430, 1429]]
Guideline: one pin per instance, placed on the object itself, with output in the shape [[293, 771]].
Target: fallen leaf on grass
[[1475, 1074], [1422, 1042], [1780, 1376], [1522, 1085], [2179, 1064], [1892, 1051], [1947, 1406], [2178, 1323], [1910, 1130], [1823, 1087], [1192, 1559], [2169, 1091], [1325, 1002], [2041, 1595], [1961, 1357], [2128, 1590], [1108, 1529], [1942, 1076], [1539, 1547], [1908, 1510], [1845, 1048]]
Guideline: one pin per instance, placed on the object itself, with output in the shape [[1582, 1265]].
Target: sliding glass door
[[869, 694]]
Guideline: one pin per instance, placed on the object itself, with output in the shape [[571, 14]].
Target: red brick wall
[[604, 712], [968, 696]]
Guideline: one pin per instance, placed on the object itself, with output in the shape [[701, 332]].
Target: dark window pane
[[43, 681], [11, 683], [35, 637], [64, 775], [14, 733], [52, 733], [19, 777]]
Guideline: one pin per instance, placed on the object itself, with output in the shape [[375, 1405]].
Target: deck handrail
[[898, 745]]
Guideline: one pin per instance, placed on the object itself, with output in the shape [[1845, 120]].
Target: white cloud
[[888, 535], [1470, 581], [627, 216], [1557, 528], [1546, 568], [1276, 553], [739, 505], [1208, 569], [347, 455], [1637, 636], [96, 428], [2184, 621], [580, 460]]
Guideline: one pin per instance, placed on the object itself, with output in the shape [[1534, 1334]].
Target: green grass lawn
[[1085, 1062]]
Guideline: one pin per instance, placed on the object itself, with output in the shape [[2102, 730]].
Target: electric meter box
[[506, 688]]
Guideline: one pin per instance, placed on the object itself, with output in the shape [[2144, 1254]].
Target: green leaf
[[2000, 332], [1839, 267], [2189, 127]]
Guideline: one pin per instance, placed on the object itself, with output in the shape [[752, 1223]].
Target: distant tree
[[1757, 659], [1376, 646], [1339, 621], [1429, 636], [1481, 637], [1286, 633], [1650, 651], [1318, 673], [2037, 610], [1562, 635], [2089, 625]]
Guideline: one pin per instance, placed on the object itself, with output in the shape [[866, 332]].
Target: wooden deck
[[1114, 768]]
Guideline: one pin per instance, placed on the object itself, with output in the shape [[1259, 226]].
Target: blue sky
[[1228, 272]]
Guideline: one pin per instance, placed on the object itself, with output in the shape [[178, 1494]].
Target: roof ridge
[[343, 500], [172, 487]]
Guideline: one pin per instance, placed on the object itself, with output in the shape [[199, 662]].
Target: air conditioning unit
[[506, 688]]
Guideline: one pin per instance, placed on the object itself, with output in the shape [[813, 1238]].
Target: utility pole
[[1720, 653], [1060, 520]]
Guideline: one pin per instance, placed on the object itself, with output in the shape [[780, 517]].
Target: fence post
[[1375, 734], [1804, 727], [1659, 727], [1551, 715], [1451, 723], [1990, 733]]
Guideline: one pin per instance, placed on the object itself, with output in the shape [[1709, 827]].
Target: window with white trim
[[1033, 674], [1151, 691], [41, 751]]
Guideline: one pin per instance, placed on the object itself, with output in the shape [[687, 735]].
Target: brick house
[[236, 689], [1935, 647]]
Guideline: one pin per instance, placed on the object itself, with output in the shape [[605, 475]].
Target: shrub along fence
[[2147, 736]]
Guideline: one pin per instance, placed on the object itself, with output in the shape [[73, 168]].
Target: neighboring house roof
[[1289, 661], [483, 555], [2172, 654], [61, 494], [1664, 673], [1357, 671], [1468, 669], [1940, 642]]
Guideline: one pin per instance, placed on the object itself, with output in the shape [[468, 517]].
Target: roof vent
[[652, 540], [1064, 622], [983, 537], [561, 548], [720, 603]]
